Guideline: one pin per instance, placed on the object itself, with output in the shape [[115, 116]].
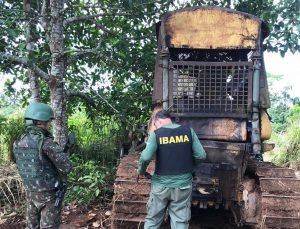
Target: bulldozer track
[[279, 197], [130, 195]]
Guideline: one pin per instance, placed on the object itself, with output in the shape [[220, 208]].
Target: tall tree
[[29, 36], [103, 51]]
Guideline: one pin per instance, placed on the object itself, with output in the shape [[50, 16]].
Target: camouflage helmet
[[39, 112]]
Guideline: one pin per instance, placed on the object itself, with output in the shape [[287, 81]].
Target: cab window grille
[[210, 87]]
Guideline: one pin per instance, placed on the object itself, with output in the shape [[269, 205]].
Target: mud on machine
[[211, 76]]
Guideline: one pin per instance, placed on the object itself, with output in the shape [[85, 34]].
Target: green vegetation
[[11, 128], [281, 102], [287, 150], [108, 50], [96, 138], [89, 181], [94, 156], [107, 76], [285, 117]]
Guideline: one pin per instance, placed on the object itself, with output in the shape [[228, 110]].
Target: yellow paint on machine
[[211, 29], [266, 128], [174, 139]]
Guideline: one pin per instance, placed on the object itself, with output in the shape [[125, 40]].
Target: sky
[[288, 67]]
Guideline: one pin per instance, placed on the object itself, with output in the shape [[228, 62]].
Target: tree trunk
[[33, 79], [56, 44], [34, 86]]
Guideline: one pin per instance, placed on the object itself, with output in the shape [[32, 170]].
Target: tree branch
[[88, 17], [82, 95], [85, 52], [79, 53], [103, 28], [25, 62], [90, 99], [43, 20]]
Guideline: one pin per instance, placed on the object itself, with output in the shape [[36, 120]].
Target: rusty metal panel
[[281, 222], [211, 28], [221, 179], [226, 129], [274, 172], [224, 152], [271, 204], [217, 89], [135, 207], [225, 174], [157, 95], [131, 188], [284, 186]]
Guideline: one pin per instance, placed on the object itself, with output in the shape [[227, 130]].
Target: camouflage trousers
[[40, 210]]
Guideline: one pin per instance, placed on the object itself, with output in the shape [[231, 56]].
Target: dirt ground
[[73, 217]]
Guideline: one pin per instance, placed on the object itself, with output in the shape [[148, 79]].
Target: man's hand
[[146, 174]]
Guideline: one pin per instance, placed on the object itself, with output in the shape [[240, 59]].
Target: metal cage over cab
[[210, 88], [205, 62]]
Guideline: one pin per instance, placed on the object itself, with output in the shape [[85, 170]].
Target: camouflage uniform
[[41, 163]]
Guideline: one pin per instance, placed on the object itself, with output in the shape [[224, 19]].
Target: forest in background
[[99, 140], [105, 71]]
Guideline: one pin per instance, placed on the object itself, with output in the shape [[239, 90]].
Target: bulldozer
[[210, 75]]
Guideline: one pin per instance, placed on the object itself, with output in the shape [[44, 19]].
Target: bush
[[89, 181], [94, 157], [11, 128], [89, 131], [96, 139], [287, 150]]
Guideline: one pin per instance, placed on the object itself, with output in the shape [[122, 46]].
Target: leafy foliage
[[287, 151], [285, 116], [94, 157], [11, 128], [281, 102], [89, 181], [111, 55], [98, 138], [91, 130]]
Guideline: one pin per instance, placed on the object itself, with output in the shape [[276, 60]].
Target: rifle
[[61, 188], [70, 142]]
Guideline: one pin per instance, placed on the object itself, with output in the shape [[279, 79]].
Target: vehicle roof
[[193, 26]]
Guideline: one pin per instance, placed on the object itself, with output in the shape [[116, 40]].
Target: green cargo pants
[[178, 201]]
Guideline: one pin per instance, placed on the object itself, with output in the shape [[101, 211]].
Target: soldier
[[43, 166], [176, 149]]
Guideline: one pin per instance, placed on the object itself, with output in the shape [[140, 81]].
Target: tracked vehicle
[[210, 75]]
